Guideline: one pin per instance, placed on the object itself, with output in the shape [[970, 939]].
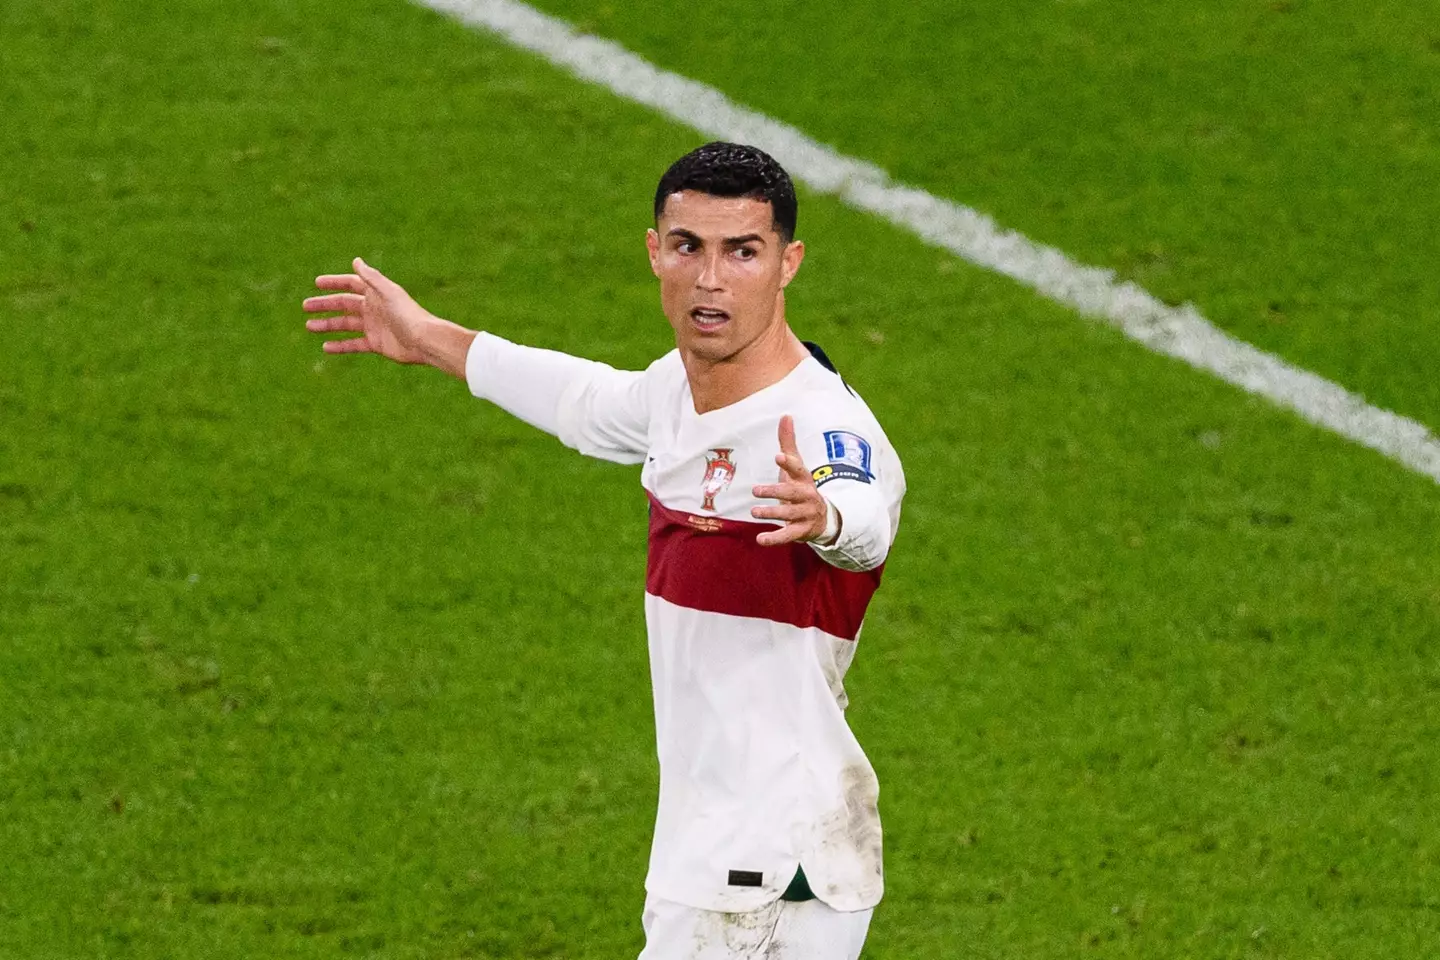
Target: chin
[[711, 349]]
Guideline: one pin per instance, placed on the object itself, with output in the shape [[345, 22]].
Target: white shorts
[[779, 931]]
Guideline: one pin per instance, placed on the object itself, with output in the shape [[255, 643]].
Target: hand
[[388, 320], [801, 506]]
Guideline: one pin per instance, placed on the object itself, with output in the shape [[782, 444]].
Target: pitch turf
[[305, 657]]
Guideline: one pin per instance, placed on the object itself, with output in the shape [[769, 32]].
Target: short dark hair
[[733, 170]]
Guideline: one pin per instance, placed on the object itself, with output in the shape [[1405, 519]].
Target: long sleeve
[[866, 531], [857, 471], [591, 407]]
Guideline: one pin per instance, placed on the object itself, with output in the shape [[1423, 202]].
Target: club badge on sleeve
[[719, 471], [849, 458]]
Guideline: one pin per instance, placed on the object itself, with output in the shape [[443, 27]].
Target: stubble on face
[[723, 269]]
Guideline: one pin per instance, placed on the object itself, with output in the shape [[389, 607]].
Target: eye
[[745, 253], [686, 246]]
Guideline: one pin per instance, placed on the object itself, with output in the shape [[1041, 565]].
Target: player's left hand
[[801, 507]]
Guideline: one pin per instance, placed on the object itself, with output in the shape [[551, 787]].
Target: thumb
[[373, 278], [791, 466], [787, 436]]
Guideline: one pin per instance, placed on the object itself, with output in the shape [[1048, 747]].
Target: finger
[[345, 324], [789, 491], [340, 281], [787, 437], [774, 538], [785, 511], [789, 454], [371, 276], [352, 345], [792, 467], [348, 302]]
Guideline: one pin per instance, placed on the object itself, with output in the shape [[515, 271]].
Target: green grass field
[[316, 657]]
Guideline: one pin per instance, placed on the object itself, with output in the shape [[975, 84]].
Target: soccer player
[[774, 499]]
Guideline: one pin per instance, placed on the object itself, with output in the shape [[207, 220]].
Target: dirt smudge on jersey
[[853, 833], [834, 663], [736, 934]]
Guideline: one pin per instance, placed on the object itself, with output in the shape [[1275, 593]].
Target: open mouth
[[709, 318]]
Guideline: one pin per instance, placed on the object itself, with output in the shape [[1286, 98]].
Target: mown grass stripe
[[1179, 332]]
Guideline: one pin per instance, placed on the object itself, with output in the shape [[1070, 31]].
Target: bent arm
[[866, 527], [865, 486], [851, 522]]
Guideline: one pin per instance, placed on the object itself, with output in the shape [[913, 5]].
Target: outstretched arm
[[591, 407], [388, 319]]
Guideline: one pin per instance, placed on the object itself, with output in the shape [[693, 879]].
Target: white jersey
[[759, 772]]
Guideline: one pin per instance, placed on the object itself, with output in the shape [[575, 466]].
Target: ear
[[790, 261], [652, 244]]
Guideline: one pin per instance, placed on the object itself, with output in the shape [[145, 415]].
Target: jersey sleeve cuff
[[864, 532], [477, 361]]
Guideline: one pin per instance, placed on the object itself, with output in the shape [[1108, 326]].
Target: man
[[767, 837]]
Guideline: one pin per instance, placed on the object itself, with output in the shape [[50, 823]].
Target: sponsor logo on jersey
[[705, 524], [849, 457], [719, 471]]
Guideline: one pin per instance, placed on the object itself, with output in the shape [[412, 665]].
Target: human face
[[723, 269]]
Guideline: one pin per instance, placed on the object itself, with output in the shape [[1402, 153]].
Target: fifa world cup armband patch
[[849, 456], [838, 471]]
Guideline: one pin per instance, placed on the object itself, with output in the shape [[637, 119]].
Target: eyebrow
[[728, 241]]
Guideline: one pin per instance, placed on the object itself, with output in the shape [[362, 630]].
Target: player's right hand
[[369, 303]]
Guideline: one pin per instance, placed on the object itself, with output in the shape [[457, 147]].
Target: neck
[[766, 361]]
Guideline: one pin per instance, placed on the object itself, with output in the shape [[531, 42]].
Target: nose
[[709, 276]]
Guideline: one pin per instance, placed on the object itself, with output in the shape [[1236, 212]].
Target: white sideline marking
[[1179, 332]]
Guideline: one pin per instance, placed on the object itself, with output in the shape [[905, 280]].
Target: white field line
[[1179, 332]]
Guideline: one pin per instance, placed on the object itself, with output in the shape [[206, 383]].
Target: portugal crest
[[719, 471]]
